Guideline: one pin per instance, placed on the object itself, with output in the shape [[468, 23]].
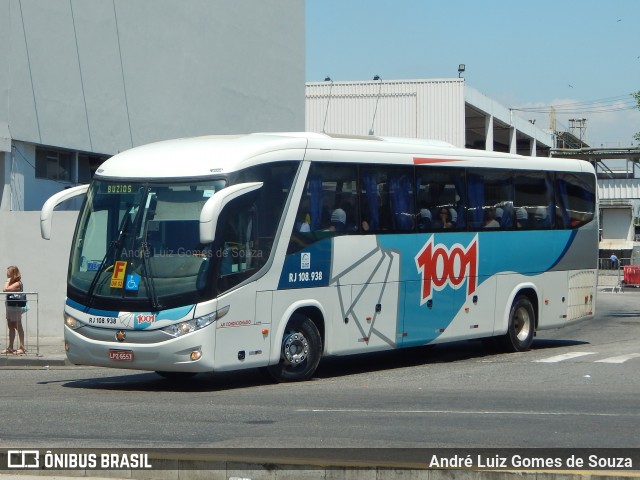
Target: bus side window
[[535, 191], [490, 199], [235, 250], [575, 199], [328, 206], [387, 196], [440, 190], [277, 179]]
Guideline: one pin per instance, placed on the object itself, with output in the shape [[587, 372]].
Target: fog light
[[195, 355], [66, 347]]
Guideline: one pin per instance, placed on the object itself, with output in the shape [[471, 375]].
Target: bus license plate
[[121, 355]]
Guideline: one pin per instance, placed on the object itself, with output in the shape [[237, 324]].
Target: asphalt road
[[578, 387]]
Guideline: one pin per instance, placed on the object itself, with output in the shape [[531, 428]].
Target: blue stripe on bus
[[91, 311], [310, 267], [526, 253], [424, 319], [173, 314]]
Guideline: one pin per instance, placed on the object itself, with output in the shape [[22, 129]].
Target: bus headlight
[[72, 323], [192, 325]]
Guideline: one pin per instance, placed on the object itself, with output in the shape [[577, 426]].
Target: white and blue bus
[[274, 250]]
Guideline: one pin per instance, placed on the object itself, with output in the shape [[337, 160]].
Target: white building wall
[[617, 223], [43, 263], [105, 76], [432, 109], [102, 76]]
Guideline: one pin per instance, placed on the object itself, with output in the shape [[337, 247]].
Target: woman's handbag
[[17, 300]]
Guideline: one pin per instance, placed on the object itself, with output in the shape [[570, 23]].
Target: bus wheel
[[519, 336], [300, 351], [177, 375]]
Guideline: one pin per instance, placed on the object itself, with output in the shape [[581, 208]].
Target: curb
[[8, 361]]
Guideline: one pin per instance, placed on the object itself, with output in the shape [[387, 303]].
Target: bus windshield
[[138, 244]]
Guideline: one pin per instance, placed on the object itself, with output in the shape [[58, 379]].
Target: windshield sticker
[[119, 270], [93, 265], [133, 282], [208, 193]]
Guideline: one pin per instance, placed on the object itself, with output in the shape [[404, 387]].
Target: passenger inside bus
[[338, 220], [522, 217], [424, 218], [541, 218], [444, 219], [490, 218]]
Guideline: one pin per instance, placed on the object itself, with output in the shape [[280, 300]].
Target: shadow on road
[[332, 367], [543, 344]]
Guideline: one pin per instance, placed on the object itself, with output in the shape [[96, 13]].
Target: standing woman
[[14, 311]]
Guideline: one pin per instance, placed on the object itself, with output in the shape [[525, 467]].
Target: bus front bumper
[[193, 352]]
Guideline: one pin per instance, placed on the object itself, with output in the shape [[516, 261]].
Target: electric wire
[[33, 91], [124, 85], [604, 105], [84, 97]]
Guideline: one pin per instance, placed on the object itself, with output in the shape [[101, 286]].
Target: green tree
[[636, 95]]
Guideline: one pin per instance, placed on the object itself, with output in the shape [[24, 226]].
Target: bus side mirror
[[47, 209], [213, 207]]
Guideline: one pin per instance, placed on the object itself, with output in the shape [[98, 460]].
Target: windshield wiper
[[148, 276], [117, 243], [140, 226]]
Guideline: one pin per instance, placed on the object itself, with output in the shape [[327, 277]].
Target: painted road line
[[375, 411], [619, 358], [564, 356]]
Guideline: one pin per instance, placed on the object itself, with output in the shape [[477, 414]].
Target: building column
[[513, 142], [488, 130], [534, 147], [5, 194]]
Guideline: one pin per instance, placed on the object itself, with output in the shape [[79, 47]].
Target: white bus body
[[272, 250]]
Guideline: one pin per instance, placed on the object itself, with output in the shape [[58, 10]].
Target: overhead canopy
[[615, 244]]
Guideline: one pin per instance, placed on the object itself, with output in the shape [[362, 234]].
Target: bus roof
[[199, 157]]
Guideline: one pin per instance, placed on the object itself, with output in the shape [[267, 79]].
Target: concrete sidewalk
[[42, 352]]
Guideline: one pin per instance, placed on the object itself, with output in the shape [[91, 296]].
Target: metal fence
[[30, 326], [605, 264]]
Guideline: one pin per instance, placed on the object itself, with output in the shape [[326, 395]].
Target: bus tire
[[522, 321], [300, 351]]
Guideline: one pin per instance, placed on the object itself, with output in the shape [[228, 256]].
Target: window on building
[[54, 164], [87, 166]]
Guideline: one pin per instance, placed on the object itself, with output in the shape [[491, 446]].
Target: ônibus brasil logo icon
[[441, 267]]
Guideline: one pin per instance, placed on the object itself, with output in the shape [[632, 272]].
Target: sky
[[580, 56]]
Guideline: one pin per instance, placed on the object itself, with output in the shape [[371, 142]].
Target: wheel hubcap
[[522, 324], [295, 348]]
